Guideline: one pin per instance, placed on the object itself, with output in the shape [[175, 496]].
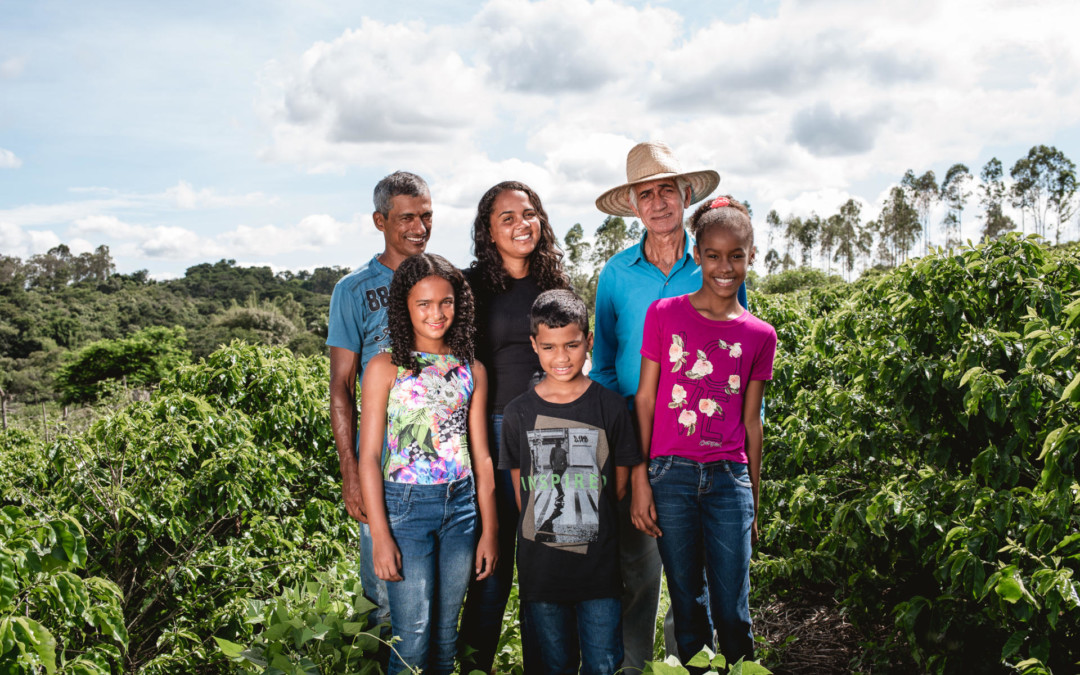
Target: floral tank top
[[427, 422]]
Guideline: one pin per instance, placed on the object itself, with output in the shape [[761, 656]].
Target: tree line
[[1042, 188]]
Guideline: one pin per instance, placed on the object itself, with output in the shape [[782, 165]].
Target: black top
[[502, 339], [568, 547]]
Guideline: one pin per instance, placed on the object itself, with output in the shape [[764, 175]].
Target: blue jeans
[[564, 634], [705, 512], [485, 603], [434, 527]]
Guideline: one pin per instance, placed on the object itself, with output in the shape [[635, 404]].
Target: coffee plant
[[921, 454], [921, 459]]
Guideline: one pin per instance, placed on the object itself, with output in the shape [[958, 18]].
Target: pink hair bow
[[720, 201]]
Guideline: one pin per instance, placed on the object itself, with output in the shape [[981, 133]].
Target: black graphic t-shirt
[[568, 548]]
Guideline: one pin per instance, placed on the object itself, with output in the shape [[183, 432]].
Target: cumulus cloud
[[827, 132], [310, 234], [377, 91], [23, 243], [555, 46], [8, 160], [187, 197]]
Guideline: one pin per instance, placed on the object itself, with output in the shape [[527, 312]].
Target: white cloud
[[310, 234], [187, 197], [12, 67], [8, 160], [22, 243]]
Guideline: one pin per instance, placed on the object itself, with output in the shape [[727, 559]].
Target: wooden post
[[3, 405], [44, 422]]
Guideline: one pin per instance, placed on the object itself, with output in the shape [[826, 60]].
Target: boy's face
[[562, 351]]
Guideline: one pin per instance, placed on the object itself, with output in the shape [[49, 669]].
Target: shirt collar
[[687, 257]]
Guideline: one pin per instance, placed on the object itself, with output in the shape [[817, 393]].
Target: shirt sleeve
[[605, 342], [344, 325], [762, 368], [512, 437], [650, 339], [742, 296], [623, 440]]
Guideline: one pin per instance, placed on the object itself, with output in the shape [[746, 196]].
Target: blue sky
[[180, 133]]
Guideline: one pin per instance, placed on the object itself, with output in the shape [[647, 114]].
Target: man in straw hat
[[661, 265]]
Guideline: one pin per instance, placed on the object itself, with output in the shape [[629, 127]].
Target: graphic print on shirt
[[701, 390], [564, 485]]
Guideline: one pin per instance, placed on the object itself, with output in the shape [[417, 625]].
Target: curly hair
[[460, 335], [733, 216], [545, 262]]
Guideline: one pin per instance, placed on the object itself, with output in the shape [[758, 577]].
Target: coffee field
[[920, 479]]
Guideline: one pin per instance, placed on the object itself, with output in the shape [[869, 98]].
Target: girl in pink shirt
[[704, 364]]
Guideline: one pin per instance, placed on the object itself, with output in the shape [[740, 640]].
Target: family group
[[469, 426]]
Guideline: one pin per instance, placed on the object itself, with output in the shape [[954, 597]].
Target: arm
[[642, 508], [605, 344], [755, 392], [487, 551], [343, 367], [378, 378], [622, 477]]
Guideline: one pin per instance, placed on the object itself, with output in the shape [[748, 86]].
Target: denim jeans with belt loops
[[434, 527], [705, 512]]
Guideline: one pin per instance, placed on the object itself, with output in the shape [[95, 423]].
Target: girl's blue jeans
[[434, 527], [705, 512]]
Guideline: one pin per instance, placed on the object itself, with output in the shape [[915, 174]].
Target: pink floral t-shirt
[[704, 368]]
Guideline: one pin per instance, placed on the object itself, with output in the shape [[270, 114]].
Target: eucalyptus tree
[[849, 236], [922, 193], [992, 194], [955, 193], [1044, 182]]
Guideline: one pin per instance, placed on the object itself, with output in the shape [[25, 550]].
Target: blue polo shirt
[[628, 284]]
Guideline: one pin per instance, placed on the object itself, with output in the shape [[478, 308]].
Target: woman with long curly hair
[[423, 456], [517, 258]]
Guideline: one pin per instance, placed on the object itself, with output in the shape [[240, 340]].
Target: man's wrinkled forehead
[[653, 185]]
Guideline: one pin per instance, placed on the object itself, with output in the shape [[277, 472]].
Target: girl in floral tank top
[[424, 462]]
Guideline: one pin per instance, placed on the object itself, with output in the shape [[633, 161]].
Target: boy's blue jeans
[[563, 634], [705, 512], [434, 527]]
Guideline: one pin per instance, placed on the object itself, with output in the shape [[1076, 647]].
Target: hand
[[354, 500], [754, 532], [386, 559], [643, 510], [487, 554]]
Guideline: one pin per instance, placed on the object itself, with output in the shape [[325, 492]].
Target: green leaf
[[1072, 392], [1009, 589], [229, 649], [701, 660]]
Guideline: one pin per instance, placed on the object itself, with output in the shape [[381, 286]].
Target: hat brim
[[616, 201]]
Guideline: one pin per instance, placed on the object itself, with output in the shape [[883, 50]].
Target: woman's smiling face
[[514, 225]]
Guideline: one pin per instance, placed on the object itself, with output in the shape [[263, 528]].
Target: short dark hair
[[557, 308], [398, 183]]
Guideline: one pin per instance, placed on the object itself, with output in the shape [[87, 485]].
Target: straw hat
[[648, 161]]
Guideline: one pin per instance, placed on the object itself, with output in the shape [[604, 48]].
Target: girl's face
[[431, 310], [724, 260], [514, 225]]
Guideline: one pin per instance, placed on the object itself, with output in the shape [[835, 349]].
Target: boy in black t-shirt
[[569, 444]]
